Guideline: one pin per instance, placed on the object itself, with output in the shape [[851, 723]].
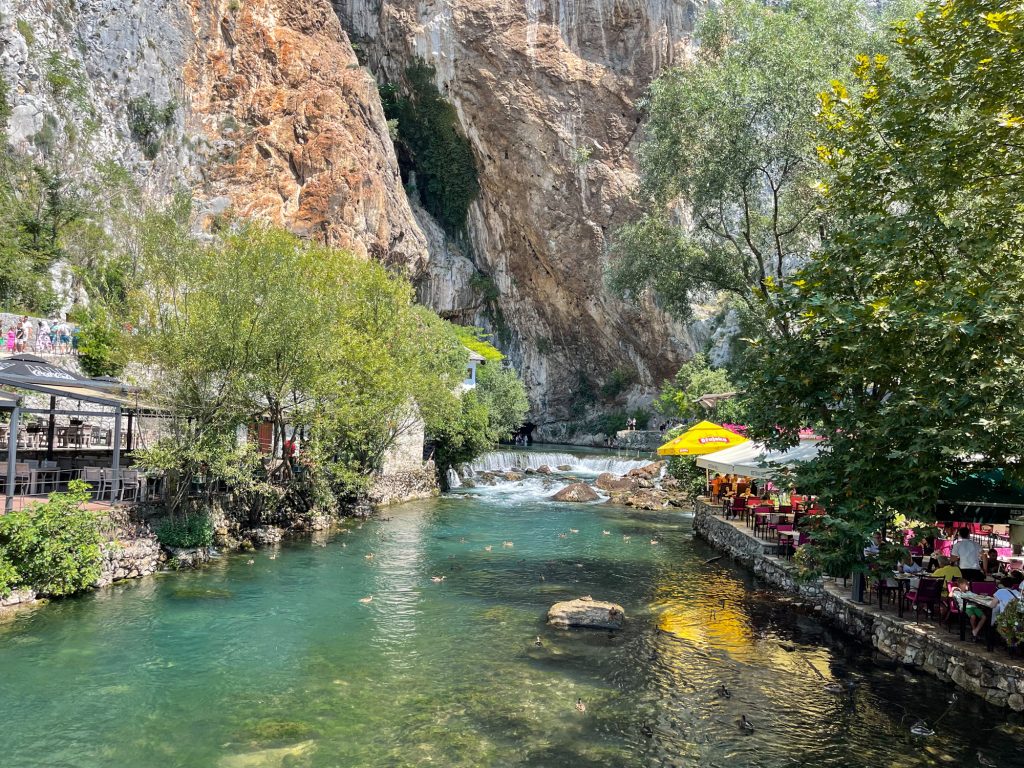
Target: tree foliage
[[260, 324], [907, 322], [728, 172], [695, 378], [432, 147]]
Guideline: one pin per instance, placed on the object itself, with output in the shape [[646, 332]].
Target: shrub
[[25, 30], [67, 80], [99, 342], [53, 547], [187, 531], [147, 123], [617, 382]]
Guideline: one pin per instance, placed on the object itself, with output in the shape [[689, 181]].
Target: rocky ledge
[[587, 612]]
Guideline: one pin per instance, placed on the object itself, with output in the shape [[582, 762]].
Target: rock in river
[[577, 492], [586, 612], [606, 481]]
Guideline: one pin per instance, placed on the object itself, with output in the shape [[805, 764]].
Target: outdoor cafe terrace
[[780, 523], [57, 426]]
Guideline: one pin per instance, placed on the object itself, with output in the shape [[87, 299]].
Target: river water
[[276, 662]]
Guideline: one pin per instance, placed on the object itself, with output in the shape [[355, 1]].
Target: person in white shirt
[[967, 554]]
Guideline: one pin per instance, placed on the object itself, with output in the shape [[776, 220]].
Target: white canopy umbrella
[[755, 460]]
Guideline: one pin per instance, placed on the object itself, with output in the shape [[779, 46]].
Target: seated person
[[1009, 590], [872, 549], [959, 589], [945, 570], [909, 566], [990, 562]]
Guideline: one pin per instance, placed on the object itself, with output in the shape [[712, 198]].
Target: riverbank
[[925, 646]]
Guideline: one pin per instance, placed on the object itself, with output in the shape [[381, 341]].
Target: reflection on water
[[279, 663]]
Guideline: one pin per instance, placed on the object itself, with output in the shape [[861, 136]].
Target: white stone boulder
[[577, 492], [586, 612]]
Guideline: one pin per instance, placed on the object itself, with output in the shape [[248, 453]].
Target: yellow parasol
[[701, 438]]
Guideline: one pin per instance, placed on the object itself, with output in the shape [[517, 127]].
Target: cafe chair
[[927, 595]]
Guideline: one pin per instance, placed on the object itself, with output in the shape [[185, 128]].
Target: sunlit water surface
[[278, 663]]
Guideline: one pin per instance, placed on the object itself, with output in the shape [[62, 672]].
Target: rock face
[[587, 612], [576, 492], [546, 92], [304, 140], [270, 113]]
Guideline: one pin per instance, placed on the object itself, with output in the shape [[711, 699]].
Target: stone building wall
[[998, 681]]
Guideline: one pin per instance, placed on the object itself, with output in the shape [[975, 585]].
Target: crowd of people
[[55, 337]]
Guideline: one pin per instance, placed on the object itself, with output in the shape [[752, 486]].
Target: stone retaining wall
[[129, 557], [992, 676], [396, 487]]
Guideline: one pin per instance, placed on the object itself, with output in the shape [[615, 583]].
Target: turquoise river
[[276, 659]]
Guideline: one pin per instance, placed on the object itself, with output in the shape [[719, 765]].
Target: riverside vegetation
[[866, 232]]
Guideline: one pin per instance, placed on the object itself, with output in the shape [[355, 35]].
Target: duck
[[343, 544], [561, 535], [250, 562], [653, 542], [745, 724], [370, 556], [985, 760], [574, 530], [724, 692], [537, 642], [365, 600], [580, 706], [606, 533], [920, 728], [273, 557], [488, 548], [462, 540], [506, 544], [626, 538], [437, 579], [835, 688]]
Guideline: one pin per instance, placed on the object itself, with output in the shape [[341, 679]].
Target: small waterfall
[[496, 461], [454, 481]]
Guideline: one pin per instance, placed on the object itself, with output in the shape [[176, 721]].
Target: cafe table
[[901, 585]]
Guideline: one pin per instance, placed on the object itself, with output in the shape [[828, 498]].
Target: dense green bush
[[617, 382], [99, 343], [186, 531], [431, 146], [53, 547], [147, 122]]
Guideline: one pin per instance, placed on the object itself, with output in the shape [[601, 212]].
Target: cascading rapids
[[501, 461]]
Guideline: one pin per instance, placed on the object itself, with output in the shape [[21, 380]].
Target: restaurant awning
[[754, 459], [983, 497], [701, 438]]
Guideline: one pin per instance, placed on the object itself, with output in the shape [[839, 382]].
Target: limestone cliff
[[260, 107], [546, 91], [263, 110]]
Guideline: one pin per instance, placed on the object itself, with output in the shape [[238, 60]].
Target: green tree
[[727, 165], [696, 377], [907, 323], [260, 324]]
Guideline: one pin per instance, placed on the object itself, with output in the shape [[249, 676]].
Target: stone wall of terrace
[[992, 675]]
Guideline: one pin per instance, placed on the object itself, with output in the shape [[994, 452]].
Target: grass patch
[[186, 532]]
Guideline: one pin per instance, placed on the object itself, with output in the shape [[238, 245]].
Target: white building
[[475, 360]]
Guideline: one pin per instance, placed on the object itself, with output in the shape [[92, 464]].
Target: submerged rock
[[586, 612], [577, 492], [544, 469]]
